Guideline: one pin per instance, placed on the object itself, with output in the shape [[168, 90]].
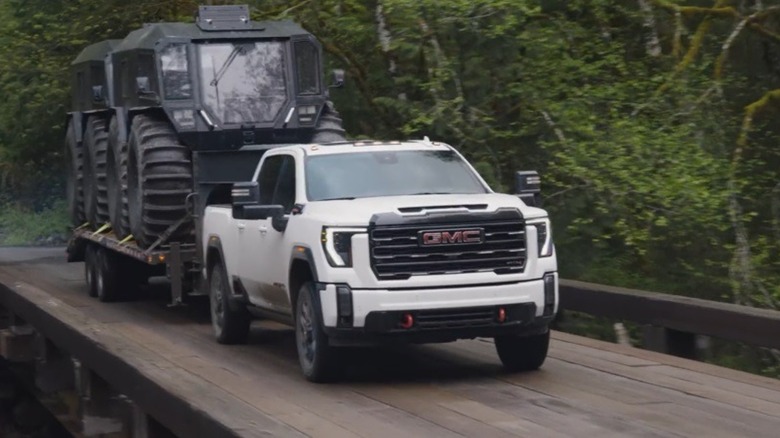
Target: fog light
[[549, 294], [407, 321], [344, 306]]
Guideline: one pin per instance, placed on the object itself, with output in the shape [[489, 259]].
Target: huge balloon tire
[[159, 180]]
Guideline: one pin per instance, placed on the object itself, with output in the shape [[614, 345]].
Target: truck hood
[[358, 212]]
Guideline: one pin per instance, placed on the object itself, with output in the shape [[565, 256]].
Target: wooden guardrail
[[673, 321]]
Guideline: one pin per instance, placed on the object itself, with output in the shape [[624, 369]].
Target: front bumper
[[438, 315]]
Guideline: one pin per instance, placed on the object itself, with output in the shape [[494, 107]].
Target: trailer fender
[[78, 125], [122, 124]]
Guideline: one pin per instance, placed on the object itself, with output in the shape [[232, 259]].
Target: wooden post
[[668, 341]]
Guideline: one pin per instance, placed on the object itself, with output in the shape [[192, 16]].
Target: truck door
[[262, 248]]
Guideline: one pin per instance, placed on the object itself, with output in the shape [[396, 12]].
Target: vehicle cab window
[[277, 182]]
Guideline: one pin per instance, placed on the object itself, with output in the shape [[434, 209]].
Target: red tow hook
[[407, 321], [501, 314]]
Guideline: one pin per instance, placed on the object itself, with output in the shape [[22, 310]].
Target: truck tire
[[95, 192], [230, 326], [159, 179], [106, 275], [116, 181], [523, 353], [319, 361], [90, 267], [75, 182], [329, 127]]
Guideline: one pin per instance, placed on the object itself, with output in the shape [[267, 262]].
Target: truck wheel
[[329, 127], [116, 181], [159, 179], [75, 182], [95, 192], [90, 268], [523, 353], [230, 326], [106, 275], [319, 361]]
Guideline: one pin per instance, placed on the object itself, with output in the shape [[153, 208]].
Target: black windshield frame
[[213, 97], [419, 172]]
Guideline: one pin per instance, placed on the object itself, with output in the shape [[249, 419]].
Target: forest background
[[652, 122]]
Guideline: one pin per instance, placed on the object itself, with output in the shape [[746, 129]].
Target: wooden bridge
[[142, 369]]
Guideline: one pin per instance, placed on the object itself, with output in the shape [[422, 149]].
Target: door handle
[[241, 225], [262, 229]]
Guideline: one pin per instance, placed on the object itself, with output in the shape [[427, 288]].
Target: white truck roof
[[367, 145]]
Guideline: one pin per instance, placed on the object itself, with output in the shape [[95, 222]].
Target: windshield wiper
[[345, 198], [228, 62], [431, 193]]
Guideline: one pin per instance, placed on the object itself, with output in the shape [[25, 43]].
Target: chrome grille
[[396, 251]]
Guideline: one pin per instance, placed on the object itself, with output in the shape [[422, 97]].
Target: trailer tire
[[523, 353], [106, 275], [329, 127], [116, 181], [74, 156], [231, 326], [95, 191], [90, 267], [159, 180], [318, 360]]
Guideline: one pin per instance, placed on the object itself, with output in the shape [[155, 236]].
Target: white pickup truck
[[361, 243]]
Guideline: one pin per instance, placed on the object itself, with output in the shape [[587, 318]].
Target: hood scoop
[[435, 208]]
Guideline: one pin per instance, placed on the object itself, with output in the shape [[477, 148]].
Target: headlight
[[307, 113], [543, 236], [184, 118], [337, 244]]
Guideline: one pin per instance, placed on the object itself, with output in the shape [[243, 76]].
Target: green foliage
[[653, 134], [22, 226]]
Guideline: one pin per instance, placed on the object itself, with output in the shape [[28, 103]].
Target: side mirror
[[257, 212], [97, 93], [528, 187], [244, 194], [338, 78]]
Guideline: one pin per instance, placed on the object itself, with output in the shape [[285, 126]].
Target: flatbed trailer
[[127, 264]]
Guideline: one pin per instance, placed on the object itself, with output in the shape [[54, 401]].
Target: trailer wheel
[[116, 181], [106, 275], [95, 192], [90, 268], [319, 361], [523, 353], [230, 326], [329, 127], [75, 182], [159, 179]]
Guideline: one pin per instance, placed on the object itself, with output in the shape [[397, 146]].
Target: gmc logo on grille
[[453, 237]]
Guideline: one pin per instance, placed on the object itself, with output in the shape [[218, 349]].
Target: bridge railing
[[671, 321]]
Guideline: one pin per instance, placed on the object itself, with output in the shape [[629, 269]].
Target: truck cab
[[365, 243]]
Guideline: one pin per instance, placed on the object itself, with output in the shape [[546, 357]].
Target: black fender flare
[[304, 253]]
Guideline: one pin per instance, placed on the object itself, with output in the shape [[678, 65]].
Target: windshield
[[398, 173], [243, 82]]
